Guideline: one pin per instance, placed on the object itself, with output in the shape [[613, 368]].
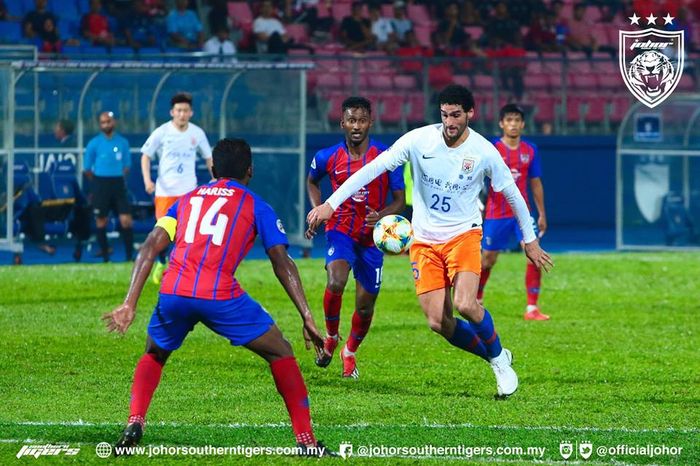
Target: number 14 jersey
[[213, 228]]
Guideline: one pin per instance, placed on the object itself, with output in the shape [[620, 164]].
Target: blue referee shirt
[[107, 156]]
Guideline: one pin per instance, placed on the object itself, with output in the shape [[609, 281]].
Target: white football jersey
[[177, 154], [446, 181]]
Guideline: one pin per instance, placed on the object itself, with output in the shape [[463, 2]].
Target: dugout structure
[[658, 176], [265, 103]]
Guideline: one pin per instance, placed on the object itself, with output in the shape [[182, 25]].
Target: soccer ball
[[393, 234]]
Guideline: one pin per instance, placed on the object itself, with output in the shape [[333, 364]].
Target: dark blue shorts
[[366, 261], [499, 231], [241, 319]]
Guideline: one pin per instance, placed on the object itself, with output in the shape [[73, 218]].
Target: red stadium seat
[[327, 81], [463, 80], [580, 81], [335, 107], [620, 104], [475, 32], [405, 82], [440, 75], [419, 14], [596, 112], [612, 81], [423, 34], [573, 109], [298, 32], [416, 112], [380, 82], [534, 66], [686, 84], [483, 82], [240, 13], [392, 106], [537, 81], [545, 108]]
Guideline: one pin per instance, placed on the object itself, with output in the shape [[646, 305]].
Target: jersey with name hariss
[[177, 153], [446, 181]]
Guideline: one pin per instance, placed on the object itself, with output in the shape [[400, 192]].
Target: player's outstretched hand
[[372, 217], [318, 215], [309, 233], [541, 225], [120, 318], [311, 335], [538, 256]]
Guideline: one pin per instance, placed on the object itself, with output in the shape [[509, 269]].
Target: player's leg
[[368, 280], [125, 219], [533, 282], [340, 258], [496, 235], [463, 258], [162, 205], [433, 290], [244, 322], [101, 204], [171, 321]]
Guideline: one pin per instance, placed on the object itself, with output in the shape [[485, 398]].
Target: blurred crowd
[[406, 28]]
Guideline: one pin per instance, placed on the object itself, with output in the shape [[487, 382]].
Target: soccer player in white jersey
[[176, 143], [448, 164]]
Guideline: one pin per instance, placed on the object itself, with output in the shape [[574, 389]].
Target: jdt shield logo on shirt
[[651, 60]]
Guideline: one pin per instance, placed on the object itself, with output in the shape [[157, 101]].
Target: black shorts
[[109, 193]]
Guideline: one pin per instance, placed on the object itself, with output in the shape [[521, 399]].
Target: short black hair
[[231, 158], [181, 98], [510, 108], [454, 94], [357, 102]]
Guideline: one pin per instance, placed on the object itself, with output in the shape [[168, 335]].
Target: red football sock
[[360, 327], [146, 380], [332, 303], [483, 278], [533, 278], [291, 386]]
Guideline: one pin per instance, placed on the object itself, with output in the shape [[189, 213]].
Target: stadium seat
[[462, 80], [16, 8], [611, 81], [388, 11], [416, 108], [580, 81], [423, 34], [380, 82], [440, 75], [686, 83], [545, 108], [392, 110], [341, 10], [418, 13], [619, 106], [596, 112], [10, 32], [67, 9], [475, 32], [241, 14], [483, 82], [405, 82], [537, 81], [298, 32]]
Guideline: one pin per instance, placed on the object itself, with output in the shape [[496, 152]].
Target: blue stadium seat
[[72, 49], [69, 28], [83, 6], [46, 191], [67, 9], [16, 8], [10, 32]]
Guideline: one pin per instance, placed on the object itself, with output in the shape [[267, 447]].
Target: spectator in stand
[[34, 23], [355, 31], [221, 45], [401, 23], [561, 24], [501, 25], [382, 30], [140, 27], [306, 11], [469, 50], [50, 42], [511, 64], [470, 14], [184, 28], [156, 7], [450, 33], [218, 18], [413, 49], [681, 22], [270, 34], [580, 37], [95, 26], [542, 35]]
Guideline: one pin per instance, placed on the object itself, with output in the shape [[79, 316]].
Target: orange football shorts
[[163, 203], [435, 265]]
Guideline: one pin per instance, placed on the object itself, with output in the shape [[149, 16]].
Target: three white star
[[651, 19], [668, 19], [634, 19]]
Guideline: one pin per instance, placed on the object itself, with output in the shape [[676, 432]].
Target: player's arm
[[126, 159], [205, 150], [121, 317], [538, 197], [388, 160], [288, 275], [313, 188], [148, 183], [89, 160], [396, 206]]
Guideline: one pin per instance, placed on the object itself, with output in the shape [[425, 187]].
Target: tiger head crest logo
[[651, 60]]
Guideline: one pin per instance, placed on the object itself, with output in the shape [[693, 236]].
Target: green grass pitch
[[617, 365]]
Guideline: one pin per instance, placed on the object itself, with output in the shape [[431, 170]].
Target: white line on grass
[[282, 425]]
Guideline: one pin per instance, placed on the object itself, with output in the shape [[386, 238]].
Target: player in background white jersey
[[449, 162], [176, 144]]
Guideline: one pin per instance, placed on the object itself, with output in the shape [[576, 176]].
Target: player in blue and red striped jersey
[[500, 225], [349, 230], [213, 228]]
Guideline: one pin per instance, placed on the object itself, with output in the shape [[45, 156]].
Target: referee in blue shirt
[[107, 163]]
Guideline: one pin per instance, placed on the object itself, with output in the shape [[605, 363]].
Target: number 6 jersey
[[213, 228], [177, 154]]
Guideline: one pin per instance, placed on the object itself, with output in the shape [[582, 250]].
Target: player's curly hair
[[454, 94], [357, 102], [181, 98], [231, 158]]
